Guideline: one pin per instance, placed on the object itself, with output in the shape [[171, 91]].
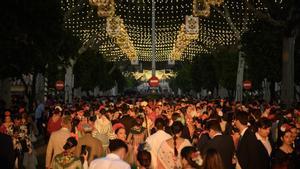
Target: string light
[[82, 18]]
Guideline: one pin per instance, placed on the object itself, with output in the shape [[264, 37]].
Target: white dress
[[166, 155]]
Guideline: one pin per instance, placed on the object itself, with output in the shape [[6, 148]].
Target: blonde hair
[[66, 120]]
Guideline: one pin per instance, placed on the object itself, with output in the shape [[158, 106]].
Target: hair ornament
[[196, 157], [144, 146]]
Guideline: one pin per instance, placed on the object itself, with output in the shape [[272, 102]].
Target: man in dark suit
[[262, 134], [248, 149], [7, 155], [222, 143]]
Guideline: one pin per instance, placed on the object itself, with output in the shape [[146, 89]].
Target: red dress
[[53, 125]]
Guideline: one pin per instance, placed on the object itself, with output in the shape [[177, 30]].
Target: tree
[[182, 79], [131, 82], [285, 17], [203, 73], [207, 71], [226, 62], [88, 71], [92, 70], [67, 50], [32, 37], [117, 76], [297, 65], [263, 52]]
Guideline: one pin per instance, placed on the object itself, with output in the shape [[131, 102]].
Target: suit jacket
[[55, 145], [264, 156], [7, 155], [249, 152], [203, 141], [94, 147], [225, 146]]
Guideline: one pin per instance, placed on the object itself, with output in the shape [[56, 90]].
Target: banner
[[191, 25]]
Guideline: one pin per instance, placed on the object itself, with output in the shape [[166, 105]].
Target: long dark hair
[[139, 120], [74, 124], [71, 142], [281, 135], [144, 158], [176, 127]]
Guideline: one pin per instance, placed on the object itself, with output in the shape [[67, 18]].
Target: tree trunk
[[240, 77], [33, 93], [26, 91], [40, 87], [68, 85], [297, 93], [272, 91], [287, 83], [230, 94]]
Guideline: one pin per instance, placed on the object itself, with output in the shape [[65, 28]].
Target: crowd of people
[[165, 133]]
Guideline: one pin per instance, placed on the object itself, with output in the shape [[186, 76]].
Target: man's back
[[111, 161], [225, 146], [55, 145], [93, 145], [248, 152]]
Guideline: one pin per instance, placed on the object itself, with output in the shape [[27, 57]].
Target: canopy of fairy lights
[[121, 29]]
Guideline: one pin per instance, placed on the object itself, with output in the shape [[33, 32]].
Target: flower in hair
[[204, 117], [285, 127], [196, 157], [7, 113], [117, 126], [144, 104], [144, 146], [70, 143]]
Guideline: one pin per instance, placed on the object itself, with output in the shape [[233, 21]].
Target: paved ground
[[40, 150]]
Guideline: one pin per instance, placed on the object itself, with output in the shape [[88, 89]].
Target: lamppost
[[153, 36]]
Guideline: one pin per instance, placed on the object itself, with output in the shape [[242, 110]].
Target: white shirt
[[111, 161], [243, 132], [265, 142], [155, 141]]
